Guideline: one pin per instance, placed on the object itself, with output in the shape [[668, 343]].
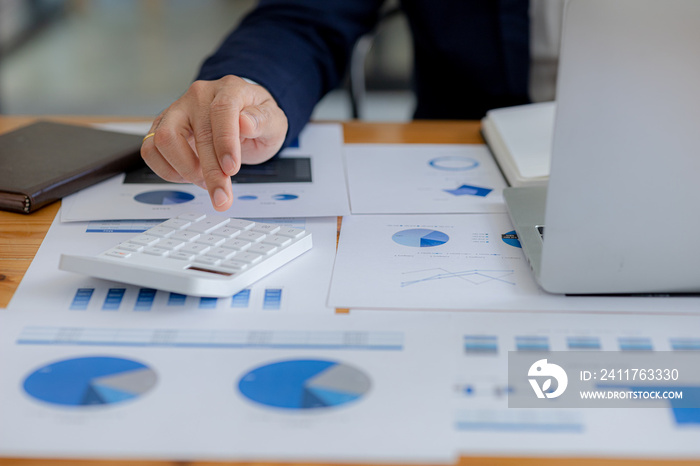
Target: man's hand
[[205, 135]]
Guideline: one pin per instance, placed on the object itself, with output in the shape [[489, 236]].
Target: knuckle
[[211, 171], [171, 175], [199, 89], [223, 103], [203, 135], [231, 80], [164, 137]]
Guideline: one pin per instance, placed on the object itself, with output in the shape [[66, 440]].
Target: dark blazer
[[469, 55]]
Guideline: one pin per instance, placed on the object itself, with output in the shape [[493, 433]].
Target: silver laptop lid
[[623, 202]]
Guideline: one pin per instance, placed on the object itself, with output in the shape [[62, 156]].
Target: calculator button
[[155, 251], [221, 253], [226, 232], [195, 248], [206, 260], [145, 240], [170, 244], [252, 236], [266, 228], [237, 244], [209, 224], [183, 256], [176, 223], [159, 231], [118, 254], [262, 248], [241, 224], [277, 240], [191, 216], [185, 235], [131, 247], [290, 232], [249, 257], [233, 264], [211, 240]]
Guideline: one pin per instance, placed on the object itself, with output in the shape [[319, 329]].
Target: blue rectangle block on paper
[[208, 303], [534, 343], [481, 344], [177, 299], [113, 299], [241, 299], [273, 298], [81, 299], [635, 344], [685, 344], [466, 190], [583, 343], [144, 301]]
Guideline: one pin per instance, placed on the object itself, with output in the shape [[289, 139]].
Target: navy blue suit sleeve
[[297, 49]]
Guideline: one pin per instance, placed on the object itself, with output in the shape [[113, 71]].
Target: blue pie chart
[[90, 381], [511, 238], [453, 163], [285, 197], [420, 238], [304, 384], [165, 197]]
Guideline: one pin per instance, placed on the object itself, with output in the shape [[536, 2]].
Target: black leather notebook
[[42, 162]]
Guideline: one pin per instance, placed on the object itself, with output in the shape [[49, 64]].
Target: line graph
[[473, 276]]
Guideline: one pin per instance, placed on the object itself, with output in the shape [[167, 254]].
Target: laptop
[[621, 212]]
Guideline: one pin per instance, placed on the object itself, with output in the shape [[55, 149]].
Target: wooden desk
[[21, 235]]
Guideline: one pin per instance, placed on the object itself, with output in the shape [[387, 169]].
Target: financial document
[[250, 388], [300, 286], [467, 262], [305, 180], [486, 426], [423, 179]]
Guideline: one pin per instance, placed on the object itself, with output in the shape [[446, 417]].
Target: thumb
[[253, 122], [262, 131]]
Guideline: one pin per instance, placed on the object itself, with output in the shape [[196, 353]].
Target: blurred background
[[135, 57]]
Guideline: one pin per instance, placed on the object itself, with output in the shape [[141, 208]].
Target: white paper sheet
[[487, 427], [300, 286], [384, 389], [467, 262], [423, 179], [325, 195]]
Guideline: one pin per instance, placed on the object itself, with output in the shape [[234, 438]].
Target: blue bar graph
[[685, 344], [273, 299], [208, 303], [481, 344], [144, 301], [635, 344], [532, 343], [241, 299], [177, 299], [81, 299], [583, 343], [113, 299]]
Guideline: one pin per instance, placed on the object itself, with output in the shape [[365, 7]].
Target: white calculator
[[196, 254]]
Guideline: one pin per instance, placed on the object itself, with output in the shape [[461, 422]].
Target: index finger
[[218, 183], [224, 114]]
